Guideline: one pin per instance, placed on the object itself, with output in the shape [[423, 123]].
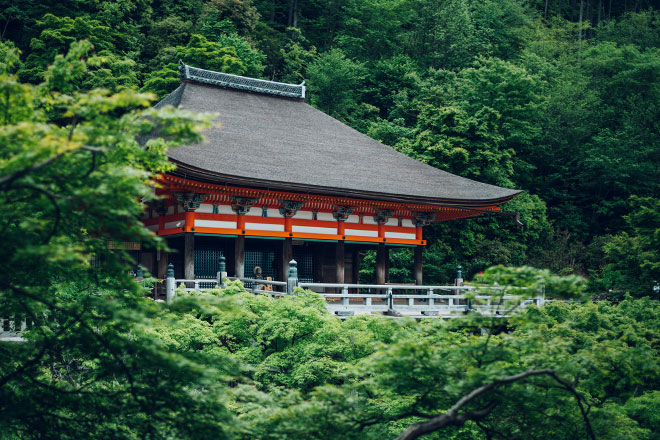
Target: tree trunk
[[289, 18], [580, 20], [4, 29], [588, 17], [571, 6], [292, 20], [545, 11]]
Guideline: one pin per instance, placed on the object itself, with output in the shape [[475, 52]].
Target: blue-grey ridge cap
[[241, 82]]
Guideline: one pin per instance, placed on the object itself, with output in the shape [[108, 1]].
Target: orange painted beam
[[219, 217], [294, 235]]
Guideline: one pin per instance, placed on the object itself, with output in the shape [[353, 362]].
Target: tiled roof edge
[[241, 82]]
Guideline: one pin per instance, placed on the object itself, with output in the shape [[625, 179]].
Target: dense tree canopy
[[558, 98]]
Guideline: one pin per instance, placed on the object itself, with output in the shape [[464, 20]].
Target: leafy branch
[[456, 418]]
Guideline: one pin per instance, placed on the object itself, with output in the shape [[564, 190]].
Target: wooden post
[[356, 266], [381, 263], [317, 261], [287, 256], [189, 256], [339, 261], [154, 263], [161, 264], [239, 256], [387, 265], [418, 265]]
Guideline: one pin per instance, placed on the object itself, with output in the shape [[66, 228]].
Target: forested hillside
[[560, 98]]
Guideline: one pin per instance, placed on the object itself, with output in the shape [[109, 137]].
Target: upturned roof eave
[[187, 171]]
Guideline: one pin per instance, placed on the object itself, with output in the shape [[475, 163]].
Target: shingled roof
[[264, 138]]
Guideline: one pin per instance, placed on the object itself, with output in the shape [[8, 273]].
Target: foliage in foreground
[[102, 360], [73, 179], [308, 375]]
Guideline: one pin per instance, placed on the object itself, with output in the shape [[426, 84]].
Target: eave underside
[[193, 174]]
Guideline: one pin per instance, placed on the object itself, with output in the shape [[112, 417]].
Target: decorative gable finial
[[183, 70]]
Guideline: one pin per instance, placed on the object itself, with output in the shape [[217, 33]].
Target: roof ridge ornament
[[183, 70], [238, 82]]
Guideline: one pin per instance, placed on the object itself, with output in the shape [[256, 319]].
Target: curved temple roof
[[263, 139]]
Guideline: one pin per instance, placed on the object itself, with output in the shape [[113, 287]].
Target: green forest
[[559, 98]]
